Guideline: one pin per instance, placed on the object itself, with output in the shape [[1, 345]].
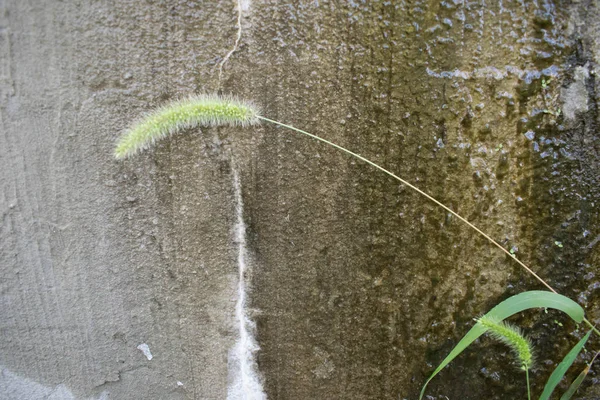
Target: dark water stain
[[364, 286]]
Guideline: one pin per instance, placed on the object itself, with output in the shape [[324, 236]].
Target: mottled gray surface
[[98, 256], [360, 287]]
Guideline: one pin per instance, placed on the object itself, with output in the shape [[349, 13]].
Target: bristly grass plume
[[200, 110], [512, 337]]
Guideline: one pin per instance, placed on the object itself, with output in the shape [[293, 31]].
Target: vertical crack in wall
[[244, 379]]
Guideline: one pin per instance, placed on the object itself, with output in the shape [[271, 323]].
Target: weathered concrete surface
[[359, 286], [98, 257]]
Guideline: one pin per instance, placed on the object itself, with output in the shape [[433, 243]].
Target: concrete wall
[[358, 287]]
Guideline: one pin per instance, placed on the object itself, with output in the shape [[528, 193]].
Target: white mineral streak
[[245, 381], [497, 73]]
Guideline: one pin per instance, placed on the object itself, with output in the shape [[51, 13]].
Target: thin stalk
[[591, 326], [528, 388], [416, 189]]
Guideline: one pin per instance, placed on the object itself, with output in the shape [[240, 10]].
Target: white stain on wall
[[144, 348], [245, 381]]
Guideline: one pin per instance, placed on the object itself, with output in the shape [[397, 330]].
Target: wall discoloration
[[575, 96], [359, 285]]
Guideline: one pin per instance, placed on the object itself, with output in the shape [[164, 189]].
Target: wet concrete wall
[[358, 286]]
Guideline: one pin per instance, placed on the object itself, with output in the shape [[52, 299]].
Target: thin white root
[[237, 41]]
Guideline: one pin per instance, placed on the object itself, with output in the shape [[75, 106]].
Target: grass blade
[[511, 306], [577, 382], [562, 368], [537, 299]]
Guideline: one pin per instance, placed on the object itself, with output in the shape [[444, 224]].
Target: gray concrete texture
[[359, 287]]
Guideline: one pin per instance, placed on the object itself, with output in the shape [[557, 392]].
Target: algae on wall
[[370, 285], [359, 286]]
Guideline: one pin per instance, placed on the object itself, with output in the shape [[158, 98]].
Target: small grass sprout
[[199, 110], [512, 337]]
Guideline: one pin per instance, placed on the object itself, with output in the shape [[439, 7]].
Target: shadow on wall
[[16, 387]]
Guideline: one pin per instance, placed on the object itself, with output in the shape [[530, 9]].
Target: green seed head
[[511, 336], [202, 110]]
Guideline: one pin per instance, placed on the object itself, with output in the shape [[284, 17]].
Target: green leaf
[[469, 338], [577, 382], [562, 368], [511, 306], [537, 299]]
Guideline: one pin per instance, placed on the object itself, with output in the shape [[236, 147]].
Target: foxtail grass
[[512, 336], [201, 110], [214, 110]]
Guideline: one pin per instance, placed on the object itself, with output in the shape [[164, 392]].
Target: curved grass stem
[[528, 386], [416, 189], [588, 323]]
